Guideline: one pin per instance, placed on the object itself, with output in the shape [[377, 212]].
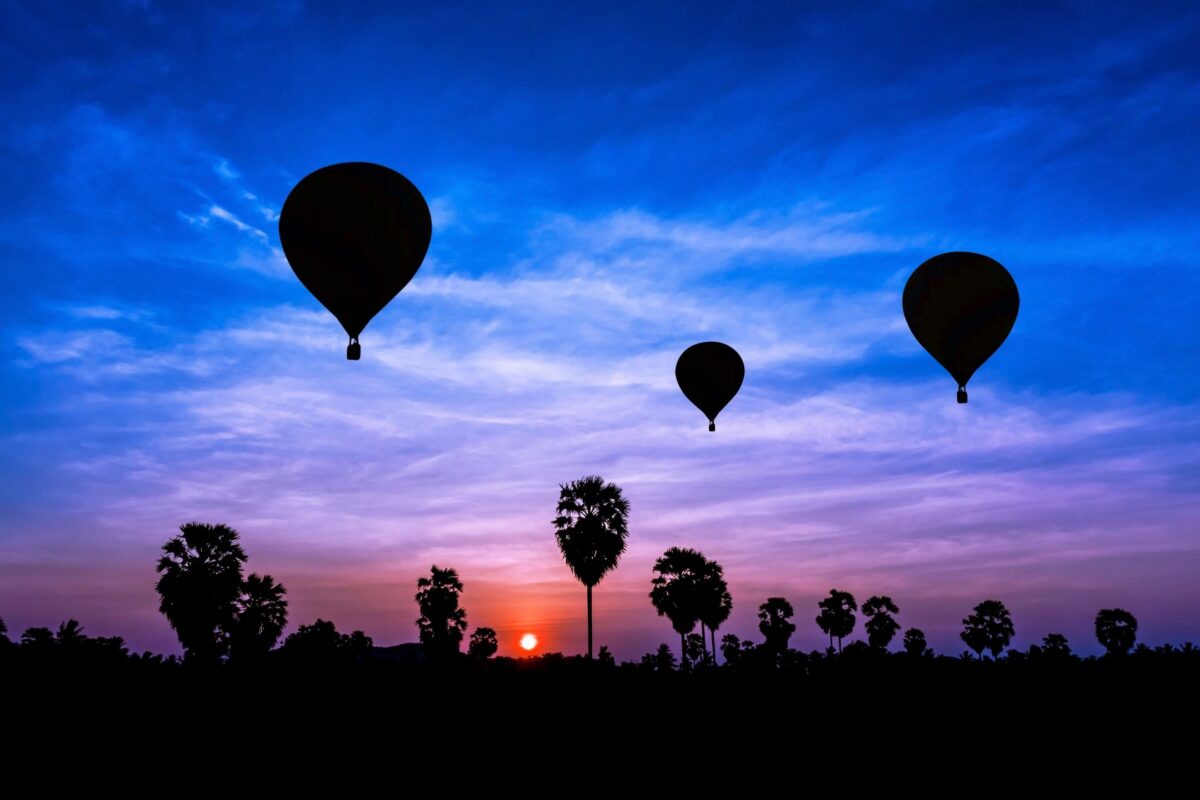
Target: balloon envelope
[[355, 234], [961, 307], [710, 374]]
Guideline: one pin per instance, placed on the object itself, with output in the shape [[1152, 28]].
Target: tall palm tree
[[200, 580], [881, 625], [675, 590], [837, 615], [261, 617], [591, 528], [715, 601], [442, 622]]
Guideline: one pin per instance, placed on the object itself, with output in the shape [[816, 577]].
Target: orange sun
[[528, 641]]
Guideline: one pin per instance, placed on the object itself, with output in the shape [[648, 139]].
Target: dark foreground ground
[[910, 726]]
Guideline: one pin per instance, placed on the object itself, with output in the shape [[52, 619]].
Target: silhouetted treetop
[[989, 628], [775, 624], [591, 527], [199, 584], [1116, 630], [483, 644], [837, 615], [442, 622], [880, 625], [914, 642], [261, 618]]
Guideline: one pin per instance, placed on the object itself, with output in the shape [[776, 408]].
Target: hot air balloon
[[710, 374], [355, 234], [961, 307]]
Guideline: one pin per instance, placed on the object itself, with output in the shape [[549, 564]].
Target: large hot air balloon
[[961, 307], [710, 374], [355, 234]]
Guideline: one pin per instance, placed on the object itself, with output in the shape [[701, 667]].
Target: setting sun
[[528, 641]]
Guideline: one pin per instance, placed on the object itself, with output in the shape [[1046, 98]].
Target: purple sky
[[604, 195]]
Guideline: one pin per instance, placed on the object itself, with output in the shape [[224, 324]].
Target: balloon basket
[[353, 351], [712, 426], [962, 395]]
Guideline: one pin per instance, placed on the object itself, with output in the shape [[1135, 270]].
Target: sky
[[609, 184]]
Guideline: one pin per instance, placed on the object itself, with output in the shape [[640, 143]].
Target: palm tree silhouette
[[261, 618], [442, 622], [483, 644], [675, 590], [731, 648], [914, 642], [774, 623], [201, 577], [989, 628], [1055, 644], [880, 624], [70, 634], [837, 615], [591, 528], [715, 602], [1116, 629]]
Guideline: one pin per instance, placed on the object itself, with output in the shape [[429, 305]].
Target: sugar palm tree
[[715, 601], [837, 615], [261, 617], [591, 528], [675, 588], [442, 622], [200, 580], [881, 625], [989, 628], [775, 624]]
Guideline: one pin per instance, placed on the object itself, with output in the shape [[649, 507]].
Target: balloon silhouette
[[355, 234], [961, 307], [710, 374]]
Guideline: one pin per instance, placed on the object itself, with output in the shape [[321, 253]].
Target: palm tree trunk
[[589, 588], [704, 641], [682, 652], [713, 631], [839, 644]]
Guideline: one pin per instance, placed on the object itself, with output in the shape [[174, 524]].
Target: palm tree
[[441, 622], [675, 590], [880, 624], [591, 528], [715, 602], [989, 628], [731, 648], [837, 615], [261, 618], [70, 634], [1055, 644], [201, 578], [1116, 629], [914, 642], [774, 622]]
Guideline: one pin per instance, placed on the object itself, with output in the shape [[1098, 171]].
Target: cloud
[[231, 218]]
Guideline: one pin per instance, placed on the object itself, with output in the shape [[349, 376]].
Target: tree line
[[220, 614]]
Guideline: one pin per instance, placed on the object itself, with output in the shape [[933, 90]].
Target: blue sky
[[608, 185]]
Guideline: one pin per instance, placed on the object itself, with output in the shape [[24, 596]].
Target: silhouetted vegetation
[[199, 584], [914, 642], [1116, 630], [881, 625], [591, 528], [442, 622], [837, 615], [775, 624], [483, 644], [675, 591], [989, 627]]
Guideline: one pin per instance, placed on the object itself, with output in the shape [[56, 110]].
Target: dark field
[[850, 723]]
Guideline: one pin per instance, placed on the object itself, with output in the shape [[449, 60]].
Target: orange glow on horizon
[[528, 641]]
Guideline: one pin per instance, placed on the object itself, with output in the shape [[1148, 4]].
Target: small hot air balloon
[[961, 307], [710, 374], [355, 234]]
